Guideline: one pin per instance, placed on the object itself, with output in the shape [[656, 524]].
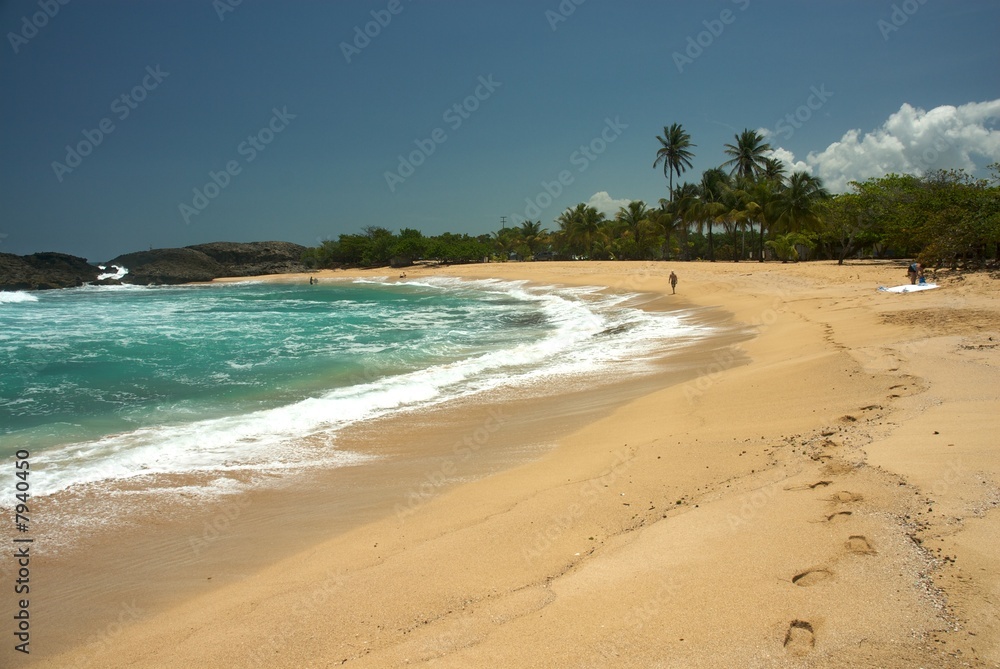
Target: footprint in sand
[[811, 577], [845, 497], [800, 638], [839, 517], [857, 543]]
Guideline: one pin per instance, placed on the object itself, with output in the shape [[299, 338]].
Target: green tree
[[785, 245], [747, 155], [639, 232], [409, 245], [579, 229], [674, 153], [667, 218], [685, 207], [796, 208], [533, 237], [848, 226]]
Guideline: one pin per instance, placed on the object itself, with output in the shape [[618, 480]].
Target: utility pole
[[503, 222]]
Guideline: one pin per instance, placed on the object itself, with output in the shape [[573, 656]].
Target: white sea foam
[[586, 332], [118, 274], [16, 297]]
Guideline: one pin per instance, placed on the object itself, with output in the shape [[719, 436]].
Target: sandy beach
[[820, 489]]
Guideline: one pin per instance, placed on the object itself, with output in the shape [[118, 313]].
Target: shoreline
[[720, 530], [400, 481]]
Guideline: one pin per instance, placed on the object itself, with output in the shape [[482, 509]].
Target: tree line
[[748, 208]]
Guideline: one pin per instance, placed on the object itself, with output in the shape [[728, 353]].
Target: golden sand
[[822, 494]]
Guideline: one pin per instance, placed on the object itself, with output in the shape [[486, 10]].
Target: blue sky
[[300, 131]]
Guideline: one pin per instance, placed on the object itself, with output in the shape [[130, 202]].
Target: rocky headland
[[202, 262]]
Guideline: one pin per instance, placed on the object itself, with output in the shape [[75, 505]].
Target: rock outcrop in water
[[167, 266], [42, 271], [202, 262]]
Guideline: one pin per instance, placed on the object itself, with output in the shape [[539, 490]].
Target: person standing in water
[[673, 283]]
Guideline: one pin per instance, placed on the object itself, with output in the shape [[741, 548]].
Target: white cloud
[[788, 158], [911, 141], [607, 205]]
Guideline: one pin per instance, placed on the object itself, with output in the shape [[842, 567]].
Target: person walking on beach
[[915, 271], [673, 283]]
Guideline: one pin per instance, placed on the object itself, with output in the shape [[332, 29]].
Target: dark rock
[[167, 266], [43, 271], [254, 258]]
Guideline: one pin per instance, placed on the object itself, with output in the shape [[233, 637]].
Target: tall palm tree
[[674, 153], [747, 154], [710, 206]]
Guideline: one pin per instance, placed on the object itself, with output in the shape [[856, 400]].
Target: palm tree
[[747, 155], [795, 208], [757, 197], [668, 219], [685, 208], [674, 153], [580, 228], [774, 169], [504, 241], [636, 218], [533, 235], [710, 207]]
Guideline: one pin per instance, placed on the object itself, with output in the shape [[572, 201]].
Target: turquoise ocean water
[[131, 383]]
